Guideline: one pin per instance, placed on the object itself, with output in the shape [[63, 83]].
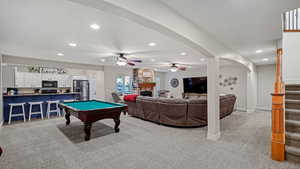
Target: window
[[123, 84]]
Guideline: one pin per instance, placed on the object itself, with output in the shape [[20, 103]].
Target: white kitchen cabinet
[[48, 76], [32, 80], [19, 79], [8, 76], [27, 79]]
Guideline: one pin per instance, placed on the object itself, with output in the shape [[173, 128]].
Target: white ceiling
[[243, 25], [41, 29]]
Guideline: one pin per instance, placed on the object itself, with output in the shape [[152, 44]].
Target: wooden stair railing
[[278, 114]]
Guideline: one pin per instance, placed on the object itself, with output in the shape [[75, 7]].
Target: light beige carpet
[[49, 144]]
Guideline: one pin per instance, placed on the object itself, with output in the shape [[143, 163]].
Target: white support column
[[213, 105], [251, 90], [1, 97]]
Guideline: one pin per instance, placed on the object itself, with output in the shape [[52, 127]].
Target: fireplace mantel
[[146, 86]]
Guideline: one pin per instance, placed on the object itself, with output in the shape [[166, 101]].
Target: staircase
[[292, 123]]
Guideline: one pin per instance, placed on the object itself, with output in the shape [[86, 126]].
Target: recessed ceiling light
[[202, 59], [259, 51], [153, 60], [155, 69], [72, 44], [60, 54], [265, 59], [102, 60], [183, 53], [95, 26], [152, 44]]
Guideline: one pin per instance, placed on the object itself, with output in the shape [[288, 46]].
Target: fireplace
[[146, 89]]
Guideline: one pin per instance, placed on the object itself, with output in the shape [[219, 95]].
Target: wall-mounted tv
[[195, 85]]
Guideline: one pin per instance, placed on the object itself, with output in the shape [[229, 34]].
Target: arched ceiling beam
[[158, 16]]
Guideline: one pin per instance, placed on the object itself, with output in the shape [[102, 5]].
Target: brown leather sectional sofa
[[178, 112]]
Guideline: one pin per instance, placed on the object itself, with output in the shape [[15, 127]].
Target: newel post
[[278, 114]]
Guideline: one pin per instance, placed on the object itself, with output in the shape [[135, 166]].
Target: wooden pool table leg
[[87, 130], [117, 123], [67, 116]]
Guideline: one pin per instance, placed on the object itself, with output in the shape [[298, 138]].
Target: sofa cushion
[[197, 101], [172, 101], [130, 97]]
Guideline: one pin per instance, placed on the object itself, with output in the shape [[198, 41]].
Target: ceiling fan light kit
[[121, 63], [173, 69]]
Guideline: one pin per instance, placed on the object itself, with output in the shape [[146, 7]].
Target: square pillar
[[213, 99], [251, 90]]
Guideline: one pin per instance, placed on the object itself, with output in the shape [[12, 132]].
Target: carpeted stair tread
[[292, 101], [292, 87], [292, 92], [292, 150], [294, 123], [292, 111], [293, 136]]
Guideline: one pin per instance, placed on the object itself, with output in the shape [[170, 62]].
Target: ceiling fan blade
[[131, 64], [122, 56], [181, 68]]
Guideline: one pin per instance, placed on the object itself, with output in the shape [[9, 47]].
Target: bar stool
[[57, 110], [11, 107], [31, 104], [64, 111]]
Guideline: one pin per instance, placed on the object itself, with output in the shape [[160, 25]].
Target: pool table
[[91, 111]]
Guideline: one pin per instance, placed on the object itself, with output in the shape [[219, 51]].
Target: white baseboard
[[263, 108], [1, 125], [213, 137], [240, 109], [250, 110]]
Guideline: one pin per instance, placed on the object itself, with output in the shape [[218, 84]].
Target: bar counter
[[25, 98]]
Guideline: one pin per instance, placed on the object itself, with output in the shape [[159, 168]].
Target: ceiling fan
[[121, 60], [175, 67]]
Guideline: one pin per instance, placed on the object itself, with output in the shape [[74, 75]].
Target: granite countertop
[[40, 94]]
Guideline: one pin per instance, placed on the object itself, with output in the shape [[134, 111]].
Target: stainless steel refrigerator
[[83, 88]]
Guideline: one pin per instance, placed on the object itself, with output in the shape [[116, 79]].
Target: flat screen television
[[195, 85]]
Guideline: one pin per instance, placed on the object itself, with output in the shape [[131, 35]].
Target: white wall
[[162, 77], [291, 59], [161, 84], [177, 92], [265, 86], [233, 70], [110, 75], [240, 88]]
